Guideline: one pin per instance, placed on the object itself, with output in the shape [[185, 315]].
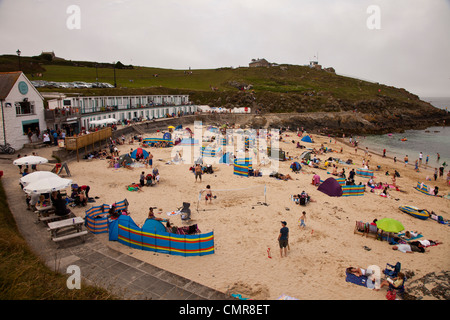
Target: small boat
[[389, 134], [404, 139], [415, 212]]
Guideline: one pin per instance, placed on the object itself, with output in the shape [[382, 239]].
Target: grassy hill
[[278, 89], [284, 79]]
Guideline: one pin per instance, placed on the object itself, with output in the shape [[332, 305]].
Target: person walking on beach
[[283, 239], [406, 160], [426, 159], [384, 153], [303, 219], [435, 173], [420, 158]]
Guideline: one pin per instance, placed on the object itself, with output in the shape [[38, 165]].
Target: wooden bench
[[70, 236], [55, 217]]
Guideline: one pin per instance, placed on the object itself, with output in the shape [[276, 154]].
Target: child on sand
[[303, 219]]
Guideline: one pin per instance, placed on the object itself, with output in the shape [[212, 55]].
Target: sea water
[[430, 141]]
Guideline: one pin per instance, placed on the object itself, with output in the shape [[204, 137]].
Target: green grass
[[294, 79], [23, 276], [286, 80]]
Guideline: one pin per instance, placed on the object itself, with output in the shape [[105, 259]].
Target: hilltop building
[[259, 63], [315, 65], [52, 55], [22, 108]]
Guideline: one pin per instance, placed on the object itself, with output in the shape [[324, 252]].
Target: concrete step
[[35, 145]]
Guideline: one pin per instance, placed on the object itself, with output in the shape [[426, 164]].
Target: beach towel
[[360, 281], [413, 238]]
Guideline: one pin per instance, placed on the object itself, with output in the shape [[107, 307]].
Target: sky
[[401, 43]]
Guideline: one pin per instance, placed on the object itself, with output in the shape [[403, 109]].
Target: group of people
[[149, 179], [53, 199]]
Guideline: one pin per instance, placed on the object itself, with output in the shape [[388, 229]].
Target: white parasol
[[47, 185], [36, 176], [29, 160]]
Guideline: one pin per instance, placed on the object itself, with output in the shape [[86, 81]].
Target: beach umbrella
[[48, 185], [29, 160], [36, 176], [390, 225]]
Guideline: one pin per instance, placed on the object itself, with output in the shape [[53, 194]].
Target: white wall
[[13, 122]]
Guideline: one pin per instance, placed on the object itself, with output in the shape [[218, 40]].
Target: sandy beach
[[246, 229]]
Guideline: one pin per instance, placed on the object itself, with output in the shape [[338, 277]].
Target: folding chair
[[372, 231], [185, 211], [360, 228], [392, 270]]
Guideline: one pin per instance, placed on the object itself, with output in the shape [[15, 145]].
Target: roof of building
[[258, 60], [7, 81]]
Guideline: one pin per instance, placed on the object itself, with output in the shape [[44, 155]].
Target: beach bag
[[391, 295]]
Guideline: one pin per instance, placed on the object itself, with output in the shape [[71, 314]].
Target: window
[[24, 107]]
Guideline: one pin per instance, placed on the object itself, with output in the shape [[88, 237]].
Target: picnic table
[[72, 223], [43, 209]]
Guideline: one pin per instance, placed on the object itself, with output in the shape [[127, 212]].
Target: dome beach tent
[[331, 187], [307, 139], [139, 153], [125, 157], [306, 155], [295, 166]]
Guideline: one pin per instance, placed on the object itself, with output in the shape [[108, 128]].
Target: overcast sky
[[411, 48]]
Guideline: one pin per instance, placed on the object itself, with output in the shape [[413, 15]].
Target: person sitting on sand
[[395, 283], [126, 165], [151, 215], [149, 179], [334, 173], [134, 187]]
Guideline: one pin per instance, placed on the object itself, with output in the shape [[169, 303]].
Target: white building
[[22, 108]]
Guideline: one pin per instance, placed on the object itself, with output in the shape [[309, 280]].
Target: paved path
[[119, 273]]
